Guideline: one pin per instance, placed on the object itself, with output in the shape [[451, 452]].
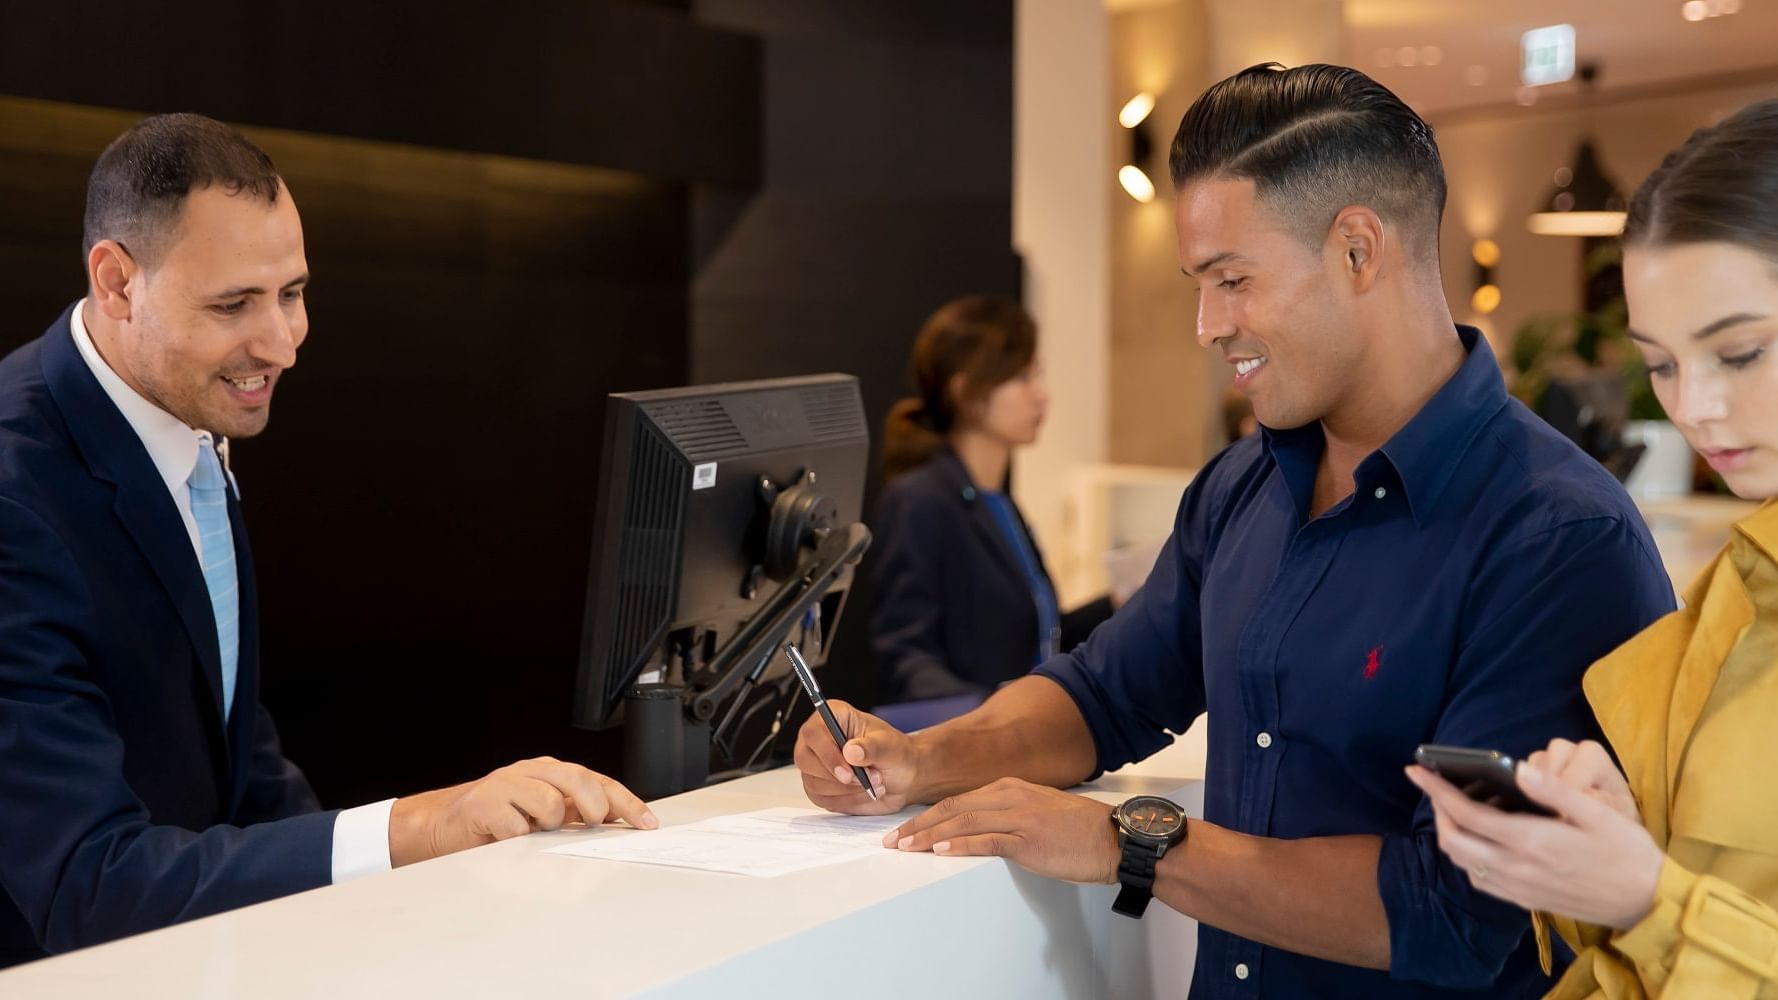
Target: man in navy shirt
[[1405, 555]]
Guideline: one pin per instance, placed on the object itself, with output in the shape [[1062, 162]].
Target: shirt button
[[1264, 741], [1381, 493], [1241, 971]]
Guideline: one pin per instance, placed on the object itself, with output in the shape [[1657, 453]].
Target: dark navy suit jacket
[[952, 612], [125, 802]]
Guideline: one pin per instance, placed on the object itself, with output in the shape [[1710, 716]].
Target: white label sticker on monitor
[[704, 476]]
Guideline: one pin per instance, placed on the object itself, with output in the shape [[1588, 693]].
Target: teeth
[[247, 384], [1248, 366]]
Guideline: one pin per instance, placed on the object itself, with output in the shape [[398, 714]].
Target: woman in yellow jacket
[[1664, 876]]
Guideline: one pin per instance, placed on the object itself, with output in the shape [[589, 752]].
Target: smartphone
[[1484, 775]]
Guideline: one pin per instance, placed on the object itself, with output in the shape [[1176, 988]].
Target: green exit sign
[[1549, 55]]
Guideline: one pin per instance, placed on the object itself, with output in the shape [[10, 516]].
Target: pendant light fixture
[[1585, 201]]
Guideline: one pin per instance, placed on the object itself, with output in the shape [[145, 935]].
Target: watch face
[[1150, 816]]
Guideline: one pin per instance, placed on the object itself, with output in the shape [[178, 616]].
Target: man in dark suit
[[141, 780]]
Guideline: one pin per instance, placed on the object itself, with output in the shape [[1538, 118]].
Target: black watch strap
[[1135, 873]]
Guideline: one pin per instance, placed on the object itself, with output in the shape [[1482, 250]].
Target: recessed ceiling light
[[1526, 96], [1432, 55], [1408, 56], [1694, 10], [1475, 76]]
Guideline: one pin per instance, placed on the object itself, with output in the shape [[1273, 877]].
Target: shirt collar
[[1761, 528], [171, 444], [1422, 456]]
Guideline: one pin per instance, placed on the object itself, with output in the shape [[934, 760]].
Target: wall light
[[1136, 111], [1136, 183], [1133, 175], [1486, 298]]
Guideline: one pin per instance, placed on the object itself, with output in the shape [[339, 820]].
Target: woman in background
[[1665, 876], [963, 602]]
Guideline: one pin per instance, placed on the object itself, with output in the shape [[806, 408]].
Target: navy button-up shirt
[[1456, 597]]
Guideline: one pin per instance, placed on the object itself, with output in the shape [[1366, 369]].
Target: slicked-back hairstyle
[[1720, 187], [139, 186], [1315, 140]]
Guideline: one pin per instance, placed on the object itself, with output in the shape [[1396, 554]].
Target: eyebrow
[[1225, 257], [1707, 331], [244, 290]]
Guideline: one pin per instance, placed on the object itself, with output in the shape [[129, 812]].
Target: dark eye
[[1231, 284], [230, 308], [1743, 360], [1662, 370], [293, 294]]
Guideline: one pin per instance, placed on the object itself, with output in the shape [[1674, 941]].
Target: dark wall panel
[[600, 82], [887, 191]]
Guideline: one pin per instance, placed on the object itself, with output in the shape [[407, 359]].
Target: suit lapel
[[114, 454]]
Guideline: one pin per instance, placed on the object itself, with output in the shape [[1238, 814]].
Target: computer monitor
[[727, 523]]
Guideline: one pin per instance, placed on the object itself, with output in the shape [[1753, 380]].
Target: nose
[[1703, 399], [1213, 319], [282, 335]]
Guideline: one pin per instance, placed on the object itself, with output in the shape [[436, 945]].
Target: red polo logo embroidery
[[1371, 665]]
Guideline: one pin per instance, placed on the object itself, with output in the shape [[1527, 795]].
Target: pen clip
[[800, 667]]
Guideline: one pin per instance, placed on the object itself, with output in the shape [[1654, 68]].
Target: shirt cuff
[[361, 841]]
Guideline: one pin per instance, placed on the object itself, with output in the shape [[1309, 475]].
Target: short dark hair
[[140, 183], [1314, 140], [1721, 186]]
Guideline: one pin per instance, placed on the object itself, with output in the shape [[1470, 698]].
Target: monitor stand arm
[[667, 726]]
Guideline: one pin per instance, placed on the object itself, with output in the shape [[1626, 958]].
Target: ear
[[954, 390], [1360, 240], [110, 272]]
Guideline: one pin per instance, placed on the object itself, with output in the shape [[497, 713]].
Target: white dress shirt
[[360, 835]]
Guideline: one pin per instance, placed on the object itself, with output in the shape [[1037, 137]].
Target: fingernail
[[1413, 775], [889, 838], [902, 844], [650, 821], [842, 774], [880, 790], [942, 847], [1532, 775]]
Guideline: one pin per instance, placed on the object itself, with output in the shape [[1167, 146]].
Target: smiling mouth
[[252, 383], [1249, 366]]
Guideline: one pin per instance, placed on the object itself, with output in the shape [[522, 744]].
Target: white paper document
[[761, 844]]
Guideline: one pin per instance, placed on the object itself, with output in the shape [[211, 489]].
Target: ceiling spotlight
[[1694, 10], [1136, 183], [1137, 110], [1526, 96], [1432, 55], [1476, 76], [1407, 55]]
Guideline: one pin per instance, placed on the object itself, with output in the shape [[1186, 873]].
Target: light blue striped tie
[[209, 507]]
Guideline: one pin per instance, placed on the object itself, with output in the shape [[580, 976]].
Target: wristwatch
[[1147, 827]]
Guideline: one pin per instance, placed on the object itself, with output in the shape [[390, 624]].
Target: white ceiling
[[1637, 43]]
